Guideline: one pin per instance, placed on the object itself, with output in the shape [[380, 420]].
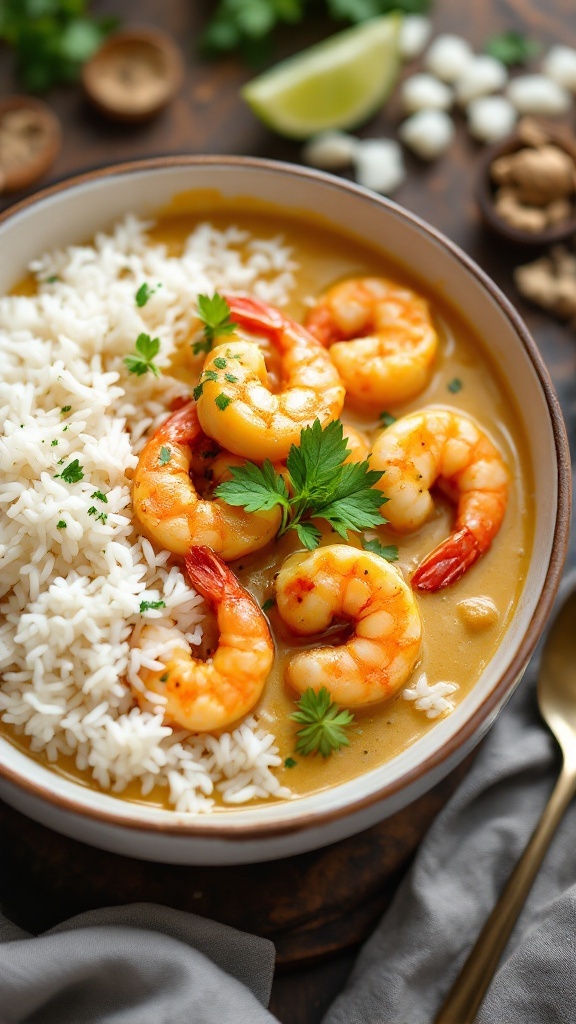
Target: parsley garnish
[[389, 551], [222, 401], [387, 419], [100, 496], [455, 385], [61, 525], [147, 348], [321, 486], [215, 314], [165, 456], [53, 443], [324, 723], [52, 279], [512, 48], [164, 678], [143, 294], [66, 408], [72, 473], [290, 762], [102, 516], [146, 605], [220, 363], [268, 604], [198, 391]]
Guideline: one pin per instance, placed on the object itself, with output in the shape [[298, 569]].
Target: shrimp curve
[[381, 338], [168, 506], [339, 580], [206, 695], [236, 405], [444, 446]]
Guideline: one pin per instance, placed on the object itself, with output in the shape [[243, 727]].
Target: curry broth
[[451, 650]]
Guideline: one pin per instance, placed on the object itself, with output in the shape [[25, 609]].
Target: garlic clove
[[379, 165], [537, 94], [482, 76], [559, 64], [448, 57], [424, 92], [415, 32], [331, 151], [427, 133], [490, 118]]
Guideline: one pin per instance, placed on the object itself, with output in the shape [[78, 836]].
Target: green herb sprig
[[154, 605], [320, 486], [387, 551], [324, 723], [215, 315], [147, 349], [512, 48]]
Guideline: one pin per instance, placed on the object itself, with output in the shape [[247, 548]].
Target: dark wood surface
[[209, 117]]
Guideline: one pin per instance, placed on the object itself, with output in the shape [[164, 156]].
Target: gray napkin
[[151, 965]]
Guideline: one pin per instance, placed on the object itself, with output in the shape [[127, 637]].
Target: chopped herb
[[72, 473], [215, 314], [61, 525], [387, 419], [92, 511], [164, 678], [100, 516], [154, 605], [147, 348], [220, 362], [389, 551], [324, 723], [455, 385], [52, 279], [100, 496], [143, 294], [290, 762], [165, 456], [512, 48], [53, 443], [230, 378], [64, 428], [198, 391], [321, 485], [268, 604], [210, 375], [222, 401], [60, 462], [66, 408]]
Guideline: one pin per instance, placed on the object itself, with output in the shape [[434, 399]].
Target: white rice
[[70, 595], [432, 699]]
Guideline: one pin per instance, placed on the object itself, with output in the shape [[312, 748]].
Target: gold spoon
[[557, 702]]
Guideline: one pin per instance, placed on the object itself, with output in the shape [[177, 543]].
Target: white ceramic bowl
[[75, 210]]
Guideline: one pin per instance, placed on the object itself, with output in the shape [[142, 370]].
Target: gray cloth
[[151, 965]]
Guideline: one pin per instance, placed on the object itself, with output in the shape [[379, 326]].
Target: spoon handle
[[469, 989]]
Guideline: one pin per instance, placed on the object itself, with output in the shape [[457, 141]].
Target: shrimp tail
[[183, 426], [254, 314], [208, 574], [448, 562]]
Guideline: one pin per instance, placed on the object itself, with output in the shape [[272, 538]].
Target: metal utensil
[[557, 702]]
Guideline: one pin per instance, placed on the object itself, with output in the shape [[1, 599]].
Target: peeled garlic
[[330, 151], [483, 75], [537, 94], [414, 34], [490, 118], [560, 65], [427, 133], [448, 57], [379, 165], [424, 92]]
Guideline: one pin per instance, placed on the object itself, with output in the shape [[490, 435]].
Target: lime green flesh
[[338, 83]]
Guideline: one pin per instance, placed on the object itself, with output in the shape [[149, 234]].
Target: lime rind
[[338, 83]]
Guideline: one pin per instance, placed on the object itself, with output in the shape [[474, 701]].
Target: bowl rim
[[236, 830]]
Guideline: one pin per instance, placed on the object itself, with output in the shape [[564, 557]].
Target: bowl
[[74, 210]]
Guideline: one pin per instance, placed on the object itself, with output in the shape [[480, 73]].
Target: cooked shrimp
[[237, 407], [344, 582], [446, 447], [381, 338], [168, 506]]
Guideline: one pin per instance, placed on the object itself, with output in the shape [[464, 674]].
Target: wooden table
[[209, 117]]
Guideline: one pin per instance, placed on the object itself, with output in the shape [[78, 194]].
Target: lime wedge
[[338, 83]]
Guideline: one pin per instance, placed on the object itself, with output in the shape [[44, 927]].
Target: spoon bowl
[[557, 679]]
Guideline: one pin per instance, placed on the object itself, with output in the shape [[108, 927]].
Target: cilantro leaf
[[222, 401], [320, 454], [143, 294], [164, 456], [389, 551], [355, 502], [100, 496], [512, 48], [146, 605], [386, 419], [72, 473], [215, 314], [147, 348], [61, 525], [255, 488], [324, 723], [290, 762], [455, 385], [308, 535]]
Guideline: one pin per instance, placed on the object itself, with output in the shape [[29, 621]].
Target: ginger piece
[[531, 133], [539, 176], [525, 218], [558, 211], [550, 282]]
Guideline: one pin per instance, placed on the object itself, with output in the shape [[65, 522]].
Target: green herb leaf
[[53, 443], [164, 678], [455, 385], [72, 473], [324, 723], [165, 456], [512, 48], [146, 605], [61, 525], [198, 391], [388, 551], [255, 488], [387, 419], [222, 401], [100, 496], [143, 294], [220, 363], [290, 762], [308, 535], [215, 314], [65, 408], [318, 457], [147, 348], [268, 604]]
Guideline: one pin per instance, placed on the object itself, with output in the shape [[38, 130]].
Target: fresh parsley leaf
[[220, 362], [215, 314], [53, 443], [100, 496], [308, 535], [210, 375], [455, 385], [255, 488], [512, 48], [147, 348], [320, 454], [165, 456], [388, 551], [387, 419], [146, 605], [165, 677], [72, 473], [230, 378], [198, 391], [52, 279], [66, 408], [268, 604], [61, 525], [143, 294], [222, 401], [290, 762], [324, 723], [355, 502]]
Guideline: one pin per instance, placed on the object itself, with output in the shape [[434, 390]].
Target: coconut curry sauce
[[457, 640]]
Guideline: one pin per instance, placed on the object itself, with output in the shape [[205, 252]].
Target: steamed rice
[[73, 569]]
